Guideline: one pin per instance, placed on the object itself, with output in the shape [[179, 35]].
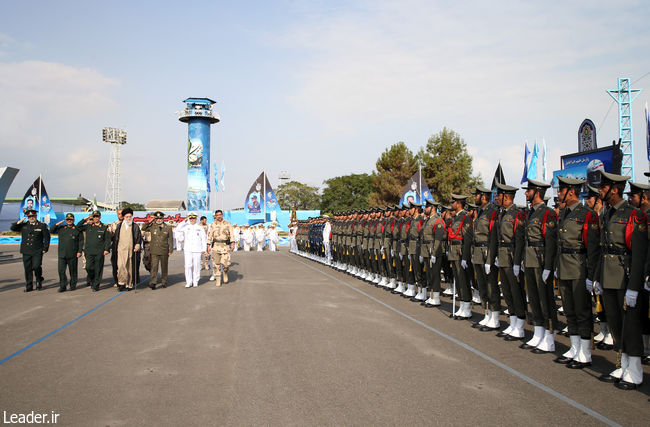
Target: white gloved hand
[[589, 285], [523, 268], [409, 256], [392, 253], [555, 274], [630, 297], [401, 257], [646, 285], [545, 274], [487, 268], [598, 288], [463, 264], [432, 260], [421, 259], [516, 269], [496, 261]]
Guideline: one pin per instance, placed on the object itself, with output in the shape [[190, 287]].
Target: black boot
[[39, 286], [61, 289]]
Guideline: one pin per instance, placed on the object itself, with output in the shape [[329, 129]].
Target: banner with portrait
[[36, 198], [416, 190], [253, 204]]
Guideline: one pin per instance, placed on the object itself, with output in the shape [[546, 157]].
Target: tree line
[[446, 167]]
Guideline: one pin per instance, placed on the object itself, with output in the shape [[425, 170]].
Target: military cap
[[69, 216], [97, 213], [191, 215], [506, 189], [416, 205], [481, 190], [532, 184], [430, 202], [458, 197], [646, 173], [592, 191], [159, 215], [471, 206], [406, 205], [547, 198], [569, 182], [611, 178], [637, 188], [446, 207], [30, 212]]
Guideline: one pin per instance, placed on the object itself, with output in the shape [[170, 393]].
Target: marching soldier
[[161, 246], [220, 243], [71, 240], [456, 233], [96, 246], [577, 255], [624, 243], [34, 243]]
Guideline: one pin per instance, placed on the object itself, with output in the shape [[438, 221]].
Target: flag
[[216, 177], [412, 191], [532, 168], [647, 130], [254, 201], [498, 178], [223, 173], [524, 178], [544, 159], [36, 198]]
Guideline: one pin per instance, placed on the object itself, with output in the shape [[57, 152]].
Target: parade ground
[[287, 341]]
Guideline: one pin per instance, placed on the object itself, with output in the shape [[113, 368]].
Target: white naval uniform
[[293, 245], [247, 236], [327, 228], [260, 236], [195, 243], [272, 235]]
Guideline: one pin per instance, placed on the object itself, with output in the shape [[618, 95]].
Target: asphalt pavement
[[287, 341]]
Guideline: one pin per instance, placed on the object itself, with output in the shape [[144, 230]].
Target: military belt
[[615, 251], [506, 244], [480, 244], [573, 251], [427, 241], [220, 241], [456, 242], [538, 244]]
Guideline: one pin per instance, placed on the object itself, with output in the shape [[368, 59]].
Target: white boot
[[378, 279], [517, 331], [583, 356], [400, 288], [422, 295], [507, 330], [382, 281], [575, 347], [618, 373], [392, 284], [493, 320], [476, 297], [633, 374], [448, 290], [410, 291], [538, 335], [434, 299], [485, 319], [547, 344]]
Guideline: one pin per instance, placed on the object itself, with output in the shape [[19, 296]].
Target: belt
[[456, 242], [573, 251], [615, 251], [538, 244], [427, 241], [506, 244], [480, 244], [220, 241]]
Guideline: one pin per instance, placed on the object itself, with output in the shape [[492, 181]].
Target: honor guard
[[578, 251], [457, 230], [435, 242], [71, 241], [35, 241], [161, 247], [96, 245]]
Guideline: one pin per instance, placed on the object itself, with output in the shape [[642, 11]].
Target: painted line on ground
[[44, 337], [479, 353]]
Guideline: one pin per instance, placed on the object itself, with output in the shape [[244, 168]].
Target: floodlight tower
[[624, 96], [117, 138], [199, 116]]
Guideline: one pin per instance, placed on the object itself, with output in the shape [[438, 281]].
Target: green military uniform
[[459, 227], [397, 260], [98, 241], [434, 241], [161, 246], [387, 247], [71, 241], [578, 238], [413, 249], [624, 242], [35, 241]]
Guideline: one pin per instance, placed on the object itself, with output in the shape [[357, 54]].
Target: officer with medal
[[578, 251], [624, 242], [506, 252], [482, 232], [456, 232], [96, 246], [71, 242], [161, 247], [34, 243]]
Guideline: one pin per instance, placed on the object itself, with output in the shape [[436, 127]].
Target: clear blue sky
[[318, 89]]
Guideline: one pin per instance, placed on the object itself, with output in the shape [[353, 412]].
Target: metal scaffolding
[[117, 138], [624, 96]]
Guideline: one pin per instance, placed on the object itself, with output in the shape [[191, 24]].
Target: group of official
[[596, 253], [91, 240]]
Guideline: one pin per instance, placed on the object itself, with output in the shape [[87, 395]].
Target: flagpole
[[40, 189], [264, 197]]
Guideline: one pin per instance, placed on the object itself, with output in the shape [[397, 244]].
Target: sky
[[315, 88]]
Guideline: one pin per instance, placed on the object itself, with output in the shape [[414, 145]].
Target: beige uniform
[[220, 235]]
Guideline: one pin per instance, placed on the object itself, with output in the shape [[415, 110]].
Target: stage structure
[[117, 138], [199, 116], [624, 96]]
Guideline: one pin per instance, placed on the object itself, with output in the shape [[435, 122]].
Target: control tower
[[199, 116]]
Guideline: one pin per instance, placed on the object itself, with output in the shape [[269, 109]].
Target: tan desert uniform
[[220, 236]]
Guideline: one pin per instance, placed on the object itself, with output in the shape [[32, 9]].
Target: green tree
[[346, 192], [134, 206], [448, 165], [296, 193], [394, 168]]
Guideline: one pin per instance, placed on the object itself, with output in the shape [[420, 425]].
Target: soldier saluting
[[97, 245], [71, 240], [35, 241], [161, 247]]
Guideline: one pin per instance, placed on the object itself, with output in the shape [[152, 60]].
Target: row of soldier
[[596, 253], [91, 240]]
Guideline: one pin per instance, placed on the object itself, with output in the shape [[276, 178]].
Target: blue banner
[[36, 198], [587, 165], [198, 165]]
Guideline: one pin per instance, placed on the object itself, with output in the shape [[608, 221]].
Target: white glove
[[630, 297], [487, 268], [598, 288], [392, 253], [463, 264], [401, 257], [496, 261], [409, 256], [516, 269], [555, 274], [381, 249], [646, 285], [432, 260], [523, 268], [421, 259], [589, 285], [545, 274]]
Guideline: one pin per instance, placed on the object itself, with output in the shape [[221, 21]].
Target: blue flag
[[532, 168], [647, 130], [223, 173], [216, 177], [524, 178]]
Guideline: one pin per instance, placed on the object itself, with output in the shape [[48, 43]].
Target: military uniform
[[71, 241], [456, 233], [434, 243], [161, 246], [220, 236], [413, 248], [35, 241], [98, 241]]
